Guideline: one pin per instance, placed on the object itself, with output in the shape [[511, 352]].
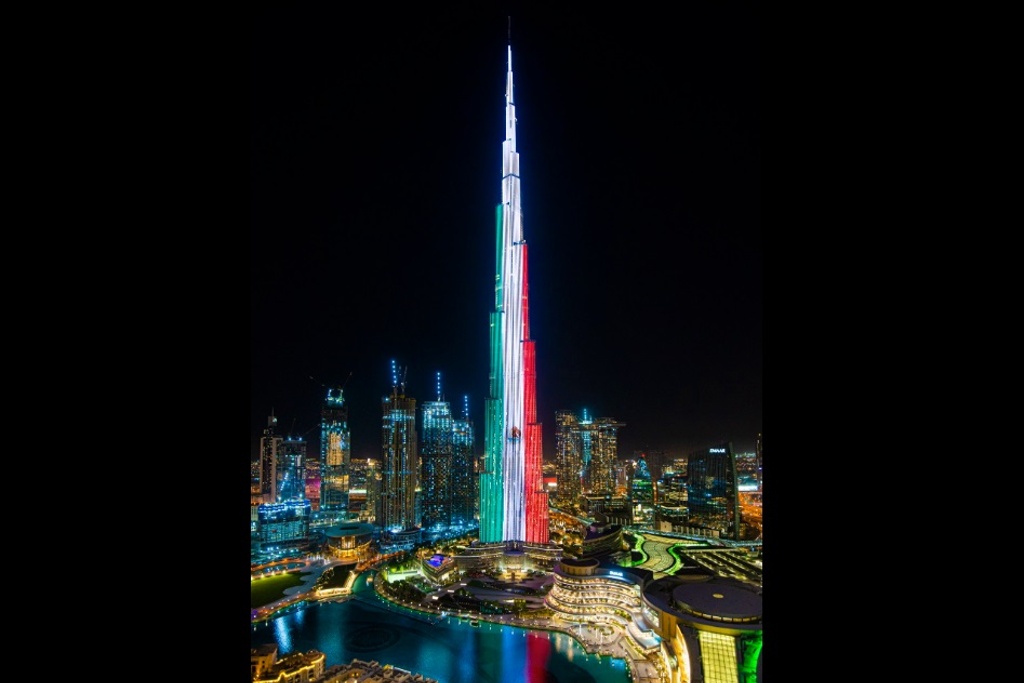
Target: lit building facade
[[588, 590], [673, 490], [568, 460], [268, 461], [291, 469], [623, 475], [657, 460], [713, 492], [674, 518], [254, 477], [335, 452], [604, 540], [399, 475], [702, 628], [601, 442], [298, 667], [760, 468], [677, 465], [363, 484], [746, 472], [513, 502], [436, 455], [710, 628], [641, 493], [313, 482], [358, 671], [262, 658], [350, 542], [439, 569], [586, 450], [284, 524], [464, 498]]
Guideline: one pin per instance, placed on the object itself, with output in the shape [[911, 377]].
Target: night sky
[[375, 172]]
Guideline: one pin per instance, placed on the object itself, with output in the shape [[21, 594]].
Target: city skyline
[[373, 201]]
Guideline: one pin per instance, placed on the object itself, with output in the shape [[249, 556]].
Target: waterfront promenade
[[606, 638]]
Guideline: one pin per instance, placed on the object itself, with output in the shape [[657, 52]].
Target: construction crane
[[395, 382], [340, 389]]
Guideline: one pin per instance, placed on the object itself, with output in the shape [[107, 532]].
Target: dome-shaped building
[[350, 542]]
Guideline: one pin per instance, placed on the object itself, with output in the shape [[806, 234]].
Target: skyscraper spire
[[513, 505]]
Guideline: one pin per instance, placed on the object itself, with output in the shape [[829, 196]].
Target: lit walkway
[[607, 639]]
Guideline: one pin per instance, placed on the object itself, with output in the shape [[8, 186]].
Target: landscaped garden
[[267, 589]]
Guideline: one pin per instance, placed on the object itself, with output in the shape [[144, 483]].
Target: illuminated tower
[[586, 450], [268, 461], [463, 479], [568, 459], [291, 469], [313, 482], [641, 488], [603, 447], [641, 492], [436, 451], [713, 492], [760, 472], [513, 502], [399, 474], [335, 452]]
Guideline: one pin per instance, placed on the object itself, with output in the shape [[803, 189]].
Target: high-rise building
[[656, 459], [589, 448], [603, 447], [268, 461], [313, 474], [746, 472], [760, 469], [513, 501], [335, 452], [568, 460], [291, 469], [673, 489], [396, 503], [373, 481], [436, 454], [713, 492], [641, 485], [676, 466], [361, 481], [463, 474], [513, 513], [283, 525]]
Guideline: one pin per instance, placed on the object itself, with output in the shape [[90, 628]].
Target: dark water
[[448, 650]]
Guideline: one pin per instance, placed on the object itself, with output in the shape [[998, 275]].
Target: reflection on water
[[446, 649]]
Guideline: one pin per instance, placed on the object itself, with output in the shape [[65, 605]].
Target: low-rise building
[[298, 667]]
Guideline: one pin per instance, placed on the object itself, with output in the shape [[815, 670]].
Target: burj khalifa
[[513, 502]]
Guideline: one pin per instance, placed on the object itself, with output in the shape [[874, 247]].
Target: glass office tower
[[399, 461], [335, 452], [713, 494], [436, 453], [268, 461], [463, 471], [291, 469]]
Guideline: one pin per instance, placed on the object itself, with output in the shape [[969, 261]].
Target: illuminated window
[[718, 653]]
